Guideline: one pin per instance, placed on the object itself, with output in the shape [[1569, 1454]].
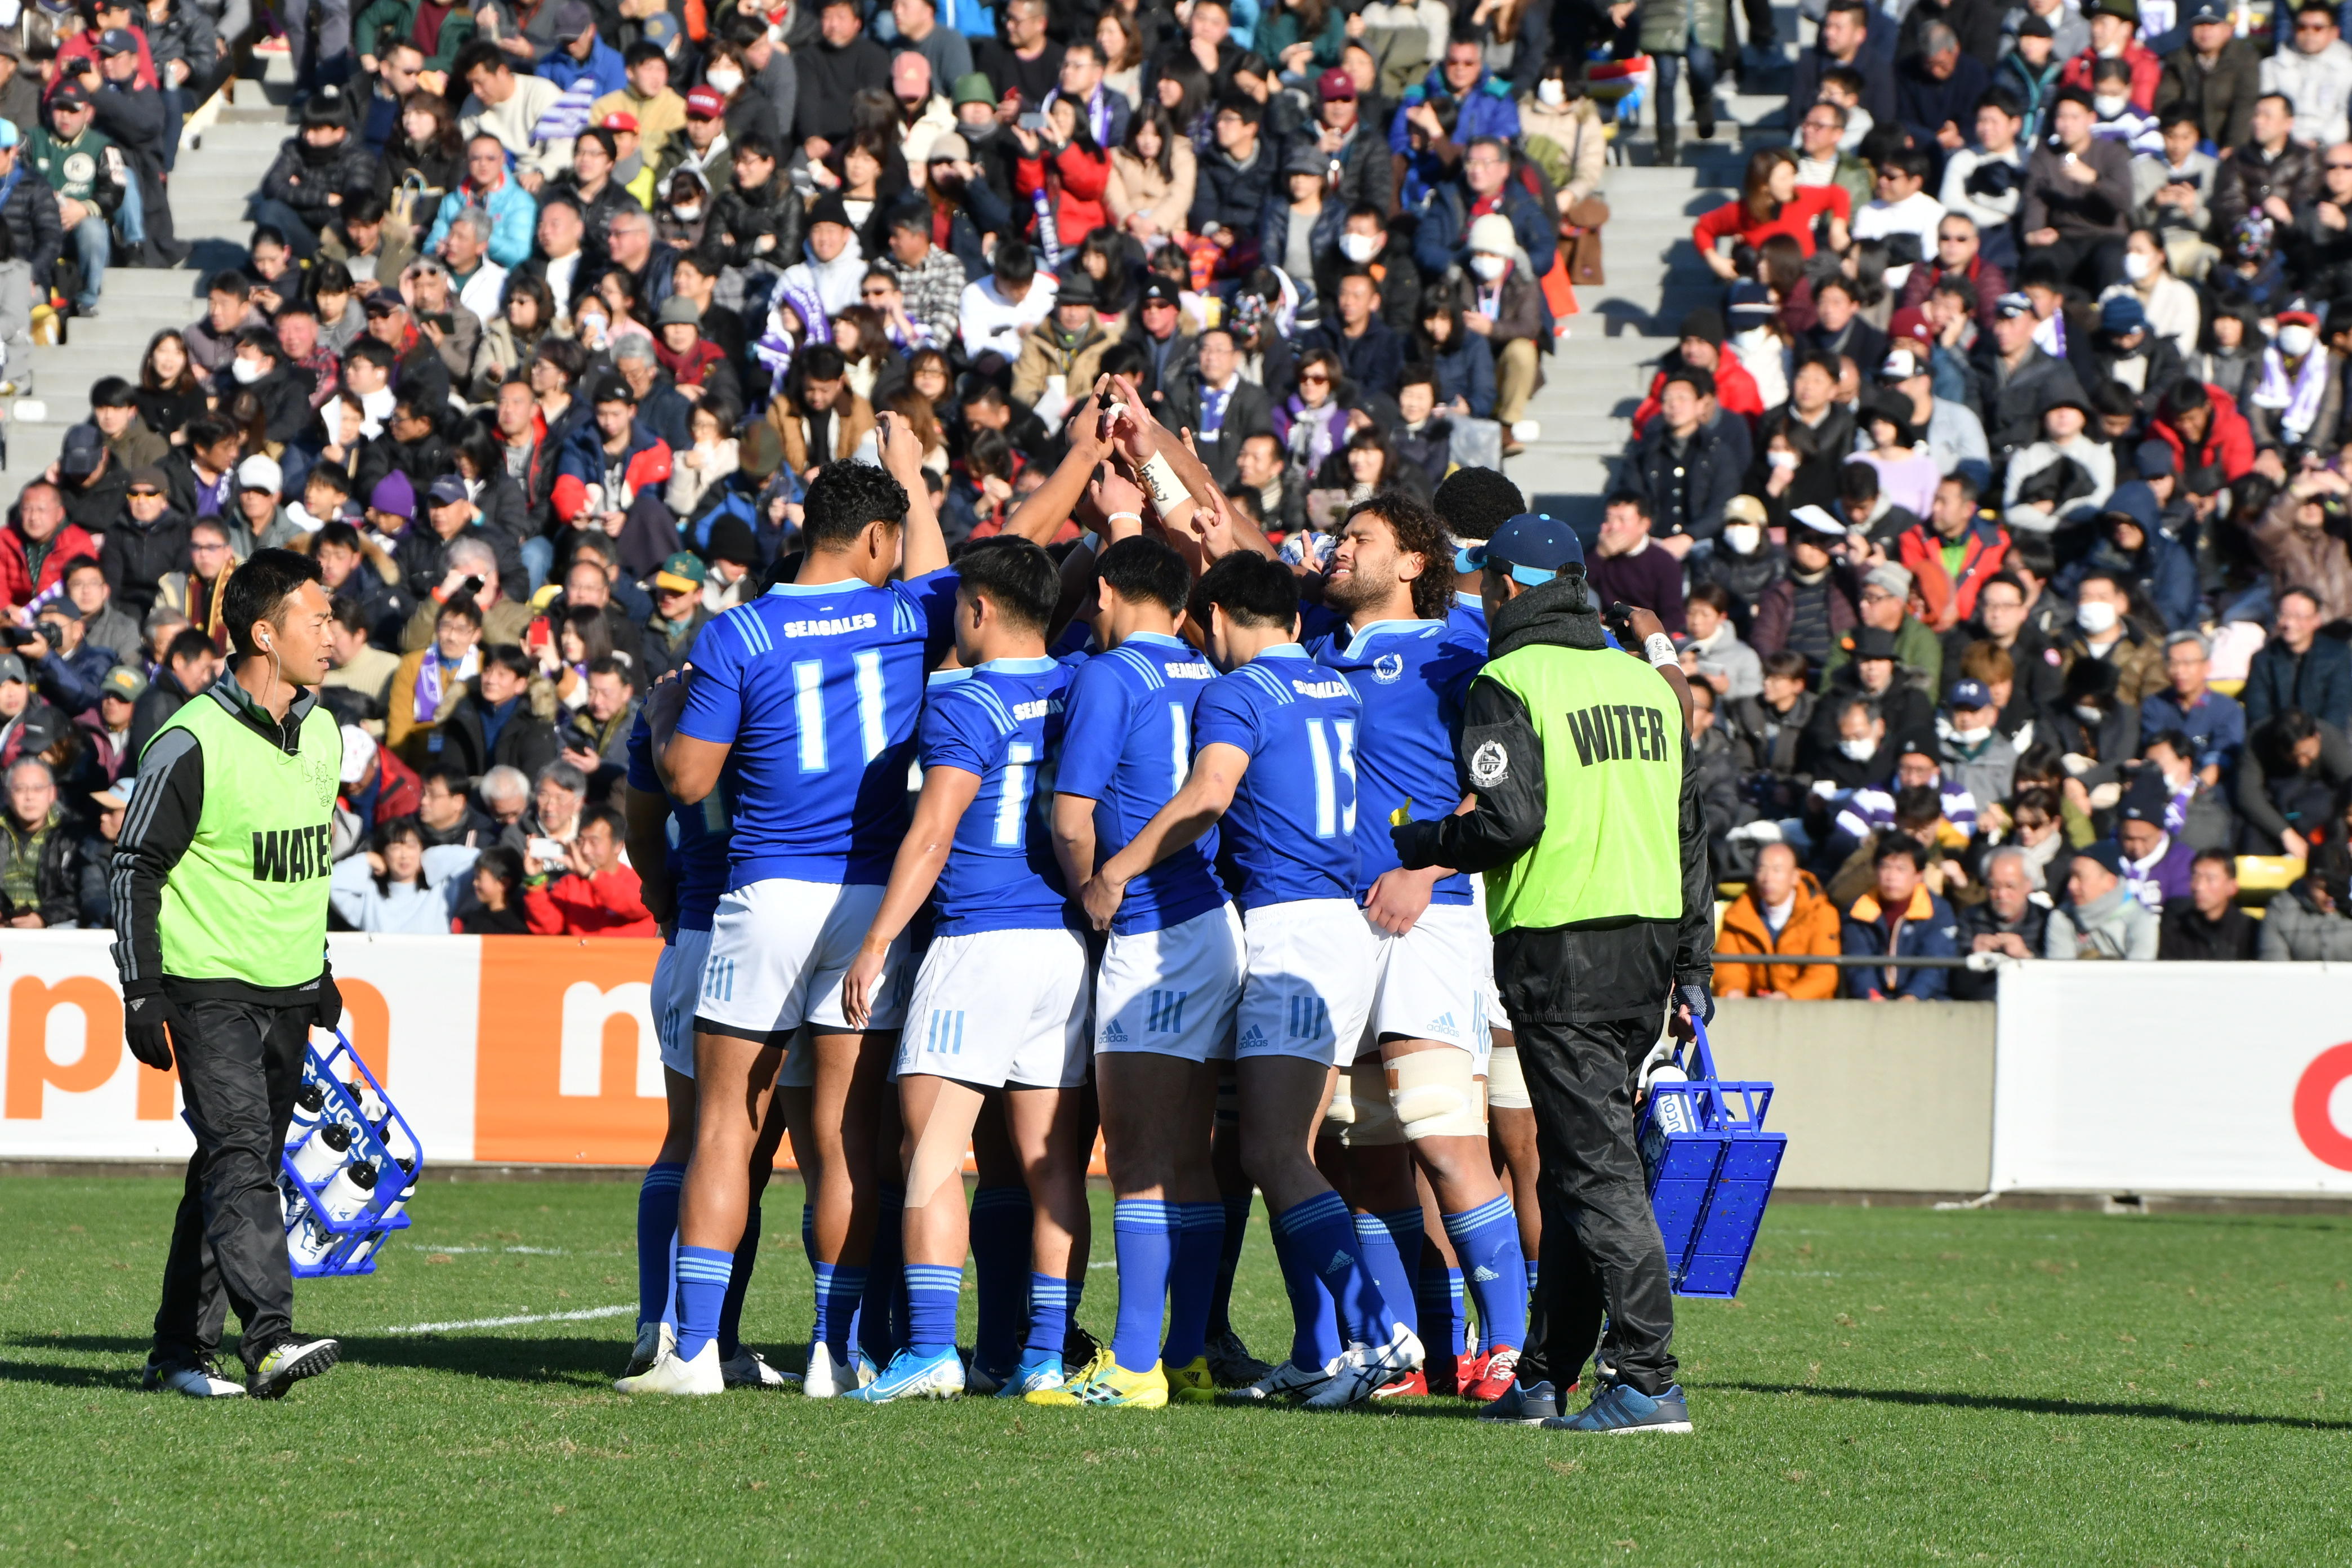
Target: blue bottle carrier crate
[[350, 1167], [1710, 1167]]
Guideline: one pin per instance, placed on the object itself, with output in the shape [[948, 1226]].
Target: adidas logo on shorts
[[1444, 1026], [1255, 1040], [1113, 1035]]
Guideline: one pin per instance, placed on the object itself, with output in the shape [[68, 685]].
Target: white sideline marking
[[512, 1322], [534, 1251]]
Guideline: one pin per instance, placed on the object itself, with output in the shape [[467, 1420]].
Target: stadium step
[[209, 188], [1597, 374]]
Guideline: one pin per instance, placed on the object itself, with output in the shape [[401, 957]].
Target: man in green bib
[[1585, 816], [220, 923]]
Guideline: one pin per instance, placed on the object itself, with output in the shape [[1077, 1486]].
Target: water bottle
[[310, 1242], [373, 1109], [1671, 1112], [398, 1143], [310, 1105], [317, 1159], [352, 1190]]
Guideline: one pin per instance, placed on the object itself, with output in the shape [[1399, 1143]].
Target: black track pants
[[239, 1067], [1601, 1252]]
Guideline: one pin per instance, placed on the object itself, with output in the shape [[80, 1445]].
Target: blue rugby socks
[[702, 1276], [1199, 1242], [1001, 1226], [1487, 1240], [1143, 1233], [656, 1238]]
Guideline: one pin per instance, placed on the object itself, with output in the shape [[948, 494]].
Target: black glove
[[328, 1012], [1416, 843], [144, 1021], [1699, 998]]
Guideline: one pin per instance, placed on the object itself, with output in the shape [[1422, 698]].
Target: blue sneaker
[[1621, 1407], [1524, 1405], [912, 1376], [1038, 1370]]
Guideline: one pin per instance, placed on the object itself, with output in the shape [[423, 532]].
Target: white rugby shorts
[[1309, 980], [678, 979], [998, 1007], [1429, 983], [1172, 990], [778, 950]]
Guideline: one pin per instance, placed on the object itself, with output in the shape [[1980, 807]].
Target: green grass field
[[1895, 1386]]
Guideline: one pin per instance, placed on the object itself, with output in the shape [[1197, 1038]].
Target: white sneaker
[[824, 1379], [1362, 1370], [655, 1341], [1286, 1381], [750, 1369], [1525, 430], [671, 1375], [195, 1381]]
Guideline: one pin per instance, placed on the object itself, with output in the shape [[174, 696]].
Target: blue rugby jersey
[[698, 836], [1411, 677], [1003, 724], [818, 690], [1292, 826], [1127, 747]]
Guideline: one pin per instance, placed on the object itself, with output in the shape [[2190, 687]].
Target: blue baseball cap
[[1535, 546], [1970, 694]]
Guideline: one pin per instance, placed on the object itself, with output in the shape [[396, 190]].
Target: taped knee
[[1506, 1086], [1435, 1096], [1375, 1122]]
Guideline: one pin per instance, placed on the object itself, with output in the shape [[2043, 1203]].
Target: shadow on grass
[[1929, 1398], [577, 1361]]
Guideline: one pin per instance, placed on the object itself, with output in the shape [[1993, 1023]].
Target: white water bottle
[[310, 1241], [352, 1190], [1671, 1112], [310, 1105], [318, 1160]]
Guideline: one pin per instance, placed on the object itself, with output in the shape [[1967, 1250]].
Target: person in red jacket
[[1702, 349], [2211, 443], [1063, 165], [1771, 202], [598, 895], [36, 546], [2114, 34], [1954, 553]]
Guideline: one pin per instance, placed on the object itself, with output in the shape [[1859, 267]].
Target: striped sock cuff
[[1048, 1291], [1140, 1214], [1494, 1208], [1401, 1223], [1371, 1225], [1430, 1285], [1201, 1216], [934, 1277], [658, 1176], [705, 1266], [1320, 1208], [847, 1281]]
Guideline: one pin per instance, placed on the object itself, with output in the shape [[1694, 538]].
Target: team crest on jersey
[[1388, 668], [1489, 765], [80, 167]]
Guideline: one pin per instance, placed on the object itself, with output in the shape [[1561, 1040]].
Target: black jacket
[[154, 708], [1978, 920], [528, 742], [2318, 681], [304, 176], [1235, 194], [2222, 99], [1598, 971], [1687, 489], [2188, 937], [739, 219], [30, 211], [1249, 411], [2012, 413], [1373, 363]]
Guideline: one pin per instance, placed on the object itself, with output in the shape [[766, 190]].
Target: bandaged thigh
[[1435, 1095], [1506, 1086]]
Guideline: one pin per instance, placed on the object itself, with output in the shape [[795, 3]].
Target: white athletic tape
[[1376, 1125], [1506, 1086], [1434, 1097], [453, 1327]]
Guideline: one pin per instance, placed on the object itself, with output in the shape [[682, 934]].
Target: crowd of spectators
[[550, 312], [2002, 500]]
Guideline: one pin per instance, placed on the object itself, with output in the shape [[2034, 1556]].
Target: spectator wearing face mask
[[1744, 562], [2101, 918], [2103, 633], [1973, 751]]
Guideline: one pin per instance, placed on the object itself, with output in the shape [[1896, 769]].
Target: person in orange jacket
[[599, 895], [1808, 926]]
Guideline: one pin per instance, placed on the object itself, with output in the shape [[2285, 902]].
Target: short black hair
[[1014, 262], [1015, 576], [339, 533], [1142, 568], [511, 657], [1250, 111], [1635, 499], [230, 282], [844, 497], [822, 362], [1252, 589], [265, 340], [464, 608], [613, 664], [113, 392], [258, 590], [1898, 845], [209, 430], [187, 643], [1473, 503]]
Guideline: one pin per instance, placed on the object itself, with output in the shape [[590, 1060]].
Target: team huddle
[[1148, 882]]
